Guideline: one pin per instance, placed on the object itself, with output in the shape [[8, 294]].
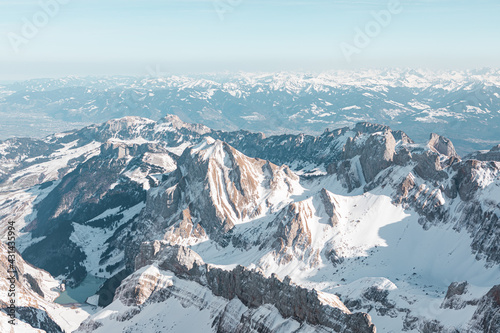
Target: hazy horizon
[[158, 72], [57, 38]]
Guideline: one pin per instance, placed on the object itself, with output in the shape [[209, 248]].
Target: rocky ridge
[[325, 313]]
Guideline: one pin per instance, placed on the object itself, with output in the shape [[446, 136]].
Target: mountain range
[[357, 229], [461, 105]]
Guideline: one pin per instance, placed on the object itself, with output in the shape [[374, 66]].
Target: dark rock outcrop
[[454, 296], [487, 316], [376, 153], [492, 155], [442, 145]]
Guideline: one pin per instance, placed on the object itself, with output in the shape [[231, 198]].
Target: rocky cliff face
[[251, 288], [467, 184], [215, 188], [442, 145], [294, 236], [492, 155], [487, 316]]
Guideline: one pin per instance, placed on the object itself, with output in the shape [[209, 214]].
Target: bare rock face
[[376, 153], [487, 316], [292, 232], [176, 123], [214, 188], [405, 188], [429, 166], [211, 190], [454, 296], [348, 173], [329, 149], [292, 238], [442, 145], [138, 288], [330, 205], [185, 229], [120, 150], [374, 298], [478, 216], [455, 289], [492, 155], [287, 149], [370, 128], [181, 260], [169, 129], [251, 287], [468, 177], [254, 290], [39, 318], [427, 201], [465, 182]]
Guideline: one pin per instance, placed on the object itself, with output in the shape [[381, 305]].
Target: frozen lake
[[87, 288]]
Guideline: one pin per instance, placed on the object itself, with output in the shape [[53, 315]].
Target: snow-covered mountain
[[462, 105], [354, 230]]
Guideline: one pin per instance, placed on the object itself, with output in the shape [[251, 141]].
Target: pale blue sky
[[104, 37]]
